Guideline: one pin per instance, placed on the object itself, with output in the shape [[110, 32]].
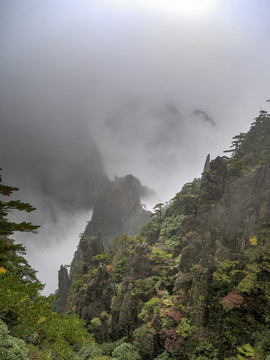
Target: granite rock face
[[218, 224], [64, 283], [80, 266], [118, 211], [128, 303]]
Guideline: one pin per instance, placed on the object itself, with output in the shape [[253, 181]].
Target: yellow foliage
[[168, 302], [25, 298], [149, 324], [253, 241], [221, 277], [42, 319], [2, 270]]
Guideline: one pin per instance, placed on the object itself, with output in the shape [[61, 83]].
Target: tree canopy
[[10, 253], [8, 227]]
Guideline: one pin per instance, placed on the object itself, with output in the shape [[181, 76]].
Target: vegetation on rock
[[36, 332], [194, 283]]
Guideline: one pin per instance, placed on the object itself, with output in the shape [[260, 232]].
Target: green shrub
[[160, 256], [245, 352], [11, 348], [164, 356], [86, 350], [35, 322], [204, 351], [106, 349], [263, 341], [185, 328], [150, 231], [125, 351], [150, 307], [120, 263]]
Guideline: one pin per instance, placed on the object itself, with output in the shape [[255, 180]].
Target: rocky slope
[[218, 224], [117, 211], [195, 282]]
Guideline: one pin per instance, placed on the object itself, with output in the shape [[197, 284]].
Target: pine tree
[[10, 253], [7, 227]]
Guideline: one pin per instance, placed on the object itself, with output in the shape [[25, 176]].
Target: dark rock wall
[[64, 283], [128, 303], [118, 211], [218, 224]]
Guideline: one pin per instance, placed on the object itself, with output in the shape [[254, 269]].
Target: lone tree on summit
[[158, 211]]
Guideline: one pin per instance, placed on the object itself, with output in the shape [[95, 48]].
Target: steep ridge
[[218, 225], [117, 211], [195, 282]]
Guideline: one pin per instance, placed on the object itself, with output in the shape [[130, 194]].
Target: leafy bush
[[178, 202], [233, 300], [245, 352], [262, 340], [150, 307], [35, 322], [93, 350], [204, 351], [150, 231], [164, 356], [86, 350], [185, 329], [171, 229], [101, 258], [125, 351], [160, 256], [120, 263], [11, 348]]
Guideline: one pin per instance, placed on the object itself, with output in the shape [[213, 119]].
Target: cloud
[[92, 88], [59, 242], [204, 116]]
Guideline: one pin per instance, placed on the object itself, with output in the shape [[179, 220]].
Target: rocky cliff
[[117, 211], [195, 282], [218, 225]]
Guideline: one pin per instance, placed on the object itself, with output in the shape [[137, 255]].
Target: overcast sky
[[154, 85]]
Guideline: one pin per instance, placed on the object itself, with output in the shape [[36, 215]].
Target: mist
[[97, 88]]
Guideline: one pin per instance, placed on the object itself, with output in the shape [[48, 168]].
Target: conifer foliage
[[8, 227], [29, 329], [251, 148]]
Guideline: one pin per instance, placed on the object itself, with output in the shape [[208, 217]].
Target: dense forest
[[193, 283]]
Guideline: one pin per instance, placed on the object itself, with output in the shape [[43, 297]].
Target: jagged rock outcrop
[[81, 265], [207, 164], [145, 291], [83, 257], [91, 297], [118, 211], [128, 303], [218, 224], [139, 265], [64, 283]]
